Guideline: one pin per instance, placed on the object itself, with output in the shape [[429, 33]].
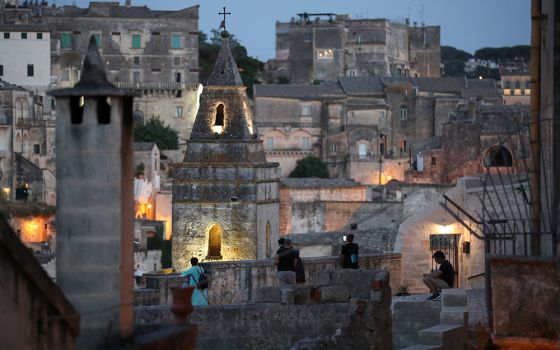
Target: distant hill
[[449, 53], [501, 54]]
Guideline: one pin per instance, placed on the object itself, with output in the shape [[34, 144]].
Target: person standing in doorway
[[285, 260], [349, 253], [199, 296], [442, 278]]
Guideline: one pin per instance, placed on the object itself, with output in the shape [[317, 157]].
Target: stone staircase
[[451, 332]]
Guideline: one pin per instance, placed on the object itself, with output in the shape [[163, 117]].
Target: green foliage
[[249, 67], [454, 68], [282, 80], [402, 289], [166, 254], [449, 53], [485, 73], [310, 167], [140, 169], [504, 53], [154, 130], [25, 209]]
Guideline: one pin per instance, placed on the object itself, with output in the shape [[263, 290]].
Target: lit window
[[362, 150], [270, 143], [136, 41], [305, 109], [325, 54], [66, 40], [404, 113], [175, 41], [178, 112], [305, 143], [507, 92]]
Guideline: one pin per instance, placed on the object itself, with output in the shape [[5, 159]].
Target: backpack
[[202, 282]]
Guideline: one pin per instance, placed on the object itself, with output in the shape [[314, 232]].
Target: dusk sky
[[465, 24]]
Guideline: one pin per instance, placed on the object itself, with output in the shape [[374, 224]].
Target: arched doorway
[[498, 156], [267, 232], [214, 242]]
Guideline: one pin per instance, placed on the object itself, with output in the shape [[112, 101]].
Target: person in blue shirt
[[199, 296]]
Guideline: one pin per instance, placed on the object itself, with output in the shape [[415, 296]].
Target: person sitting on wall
[[439, 279], [199, 296]]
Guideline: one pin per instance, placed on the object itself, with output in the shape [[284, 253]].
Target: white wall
[[17, 53]]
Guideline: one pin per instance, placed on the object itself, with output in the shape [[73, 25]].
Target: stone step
[[454, 315], [454, 297], [435, 335], [422, 347]]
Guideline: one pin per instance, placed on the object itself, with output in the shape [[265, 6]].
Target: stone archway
[[498, 156], [215, 233]]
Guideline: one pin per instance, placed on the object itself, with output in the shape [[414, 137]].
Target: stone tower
[[225, 193], [95, 204]]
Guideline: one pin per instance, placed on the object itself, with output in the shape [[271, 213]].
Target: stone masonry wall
[[351, 310]]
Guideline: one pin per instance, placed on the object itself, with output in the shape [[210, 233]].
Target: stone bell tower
[[95, 204], [225, 193]]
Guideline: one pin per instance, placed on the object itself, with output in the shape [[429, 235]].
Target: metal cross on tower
[[223, 24]]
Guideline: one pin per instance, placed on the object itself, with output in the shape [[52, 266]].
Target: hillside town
[[157, 180]]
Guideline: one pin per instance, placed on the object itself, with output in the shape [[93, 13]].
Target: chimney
[[95, 204]]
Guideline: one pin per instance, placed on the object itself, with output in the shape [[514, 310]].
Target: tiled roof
[[315, 182], [299, 91], [143, 146], [444, 84], [362, 85], [4, 85]]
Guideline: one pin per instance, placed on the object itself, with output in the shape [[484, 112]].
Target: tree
[[449, 53], [154, 130], [310, 167]]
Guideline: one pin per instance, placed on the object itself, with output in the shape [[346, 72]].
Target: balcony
[[33, 123], [156, 86]]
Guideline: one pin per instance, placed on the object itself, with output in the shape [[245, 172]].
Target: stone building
[[225, 193], [153, 52], [327, 46], [365, 128]]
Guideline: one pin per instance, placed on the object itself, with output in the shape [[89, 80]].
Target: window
[[178, 112], [1, 70], [36, 149], [24, 35], [214, 242], [350, 114], [351, 73], [498, 156], [136, 60], [333, 148], [155, 33], [270, 143], [30, 70], [399, 71], [97, 38], [362, 150], [177, 61], [434, 160], [404, 113], [136, 41], [116, 33], [156, 70], [178, 77], [305, 109], [320, 72], [6, 35], [65, 40], [325, 54], [39, 36], [307, 36], [357, 38], [175, 41], [219, 121], [305, 143], [65, 74], [136, 77], [381, 114]]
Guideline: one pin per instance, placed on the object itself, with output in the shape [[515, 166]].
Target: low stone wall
[[351, 311], [525, 299]]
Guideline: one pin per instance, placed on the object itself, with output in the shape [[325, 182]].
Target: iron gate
[[449, 245]]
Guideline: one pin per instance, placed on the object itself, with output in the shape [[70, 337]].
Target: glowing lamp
[[445, 229], [217, 129]]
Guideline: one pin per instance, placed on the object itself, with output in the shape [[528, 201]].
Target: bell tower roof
[[225, 72]]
